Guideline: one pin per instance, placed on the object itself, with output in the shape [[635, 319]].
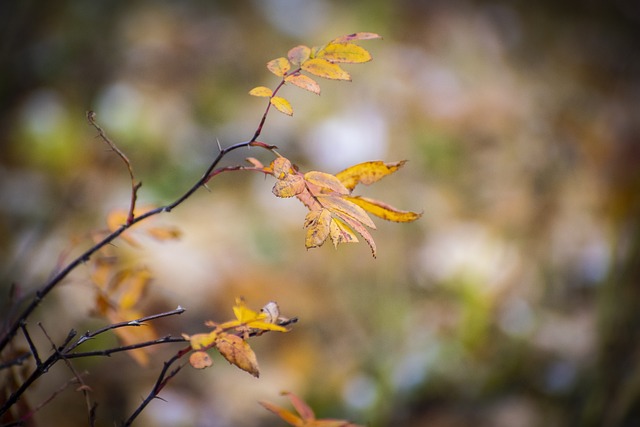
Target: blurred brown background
[[513, 302]]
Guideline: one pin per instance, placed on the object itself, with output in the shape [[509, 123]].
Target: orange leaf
[[322, 68], [288, 416], [304, 82], [356, 36], [282, 105], [135, 284], [200, 360], [279, 66], [237, 352], [367, 173]]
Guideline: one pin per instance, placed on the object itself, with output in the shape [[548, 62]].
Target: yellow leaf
[[237, 351], [361, 229], [134, 284], [327, 183], [367, 173], [200, 360], [342, 207], [282, 105], [384, 210], [356, 36], [261, 91], [341, 233], [279, 66], [163, 233], [281, 166], [318, 228], [202, 341], [299, 54], [304, 82], [322, 68], [345, 52]]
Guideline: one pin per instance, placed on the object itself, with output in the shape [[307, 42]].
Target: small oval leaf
[[282, 105], [279, 66], [261, 91], [304, 82], [299, 54]]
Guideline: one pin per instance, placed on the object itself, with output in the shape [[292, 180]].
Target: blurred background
[[515, 299]]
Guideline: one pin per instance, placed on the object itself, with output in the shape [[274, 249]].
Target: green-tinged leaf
[[341, 206], [279, 66], [261, 91], [238, 352], [345, 52], [282, 105], [341, 233], [367, 173], [304, 82], [317, 224], [322, 68], [356, 36], [383, 210], [327, 183], [299, 54]]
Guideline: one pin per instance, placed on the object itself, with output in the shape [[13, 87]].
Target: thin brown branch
[[91, 117]]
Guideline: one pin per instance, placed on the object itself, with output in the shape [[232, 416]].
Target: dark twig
[[32, 346]]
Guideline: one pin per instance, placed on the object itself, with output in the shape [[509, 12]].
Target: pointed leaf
[[282, 105], [322, 68], [367, 173], [304, 82], [279, 66], [200, 360], [237, 352], [299, 54], [356, 36], [345, 52], [383, 210], [341, 206], [341, 233], [328, 183], [361, 229], [301, 407], [287, 416], [261, 91]]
